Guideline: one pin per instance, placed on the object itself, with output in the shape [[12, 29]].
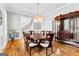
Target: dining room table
[[39, 36]]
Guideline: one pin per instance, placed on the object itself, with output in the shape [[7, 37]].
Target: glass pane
[[66, 24]]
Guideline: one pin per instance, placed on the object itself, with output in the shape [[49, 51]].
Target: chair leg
[[30, 51], [51, 49], [46, 51], [25, 51], [27, 48], [38, 48]]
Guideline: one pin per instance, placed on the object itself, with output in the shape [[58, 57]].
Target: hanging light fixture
[[38, 17]]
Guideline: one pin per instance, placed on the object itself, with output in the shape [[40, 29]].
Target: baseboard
[[72, 43], [3, 47]]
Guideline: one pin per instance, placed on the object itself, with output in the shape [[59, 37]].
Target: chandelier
[[38, 18]]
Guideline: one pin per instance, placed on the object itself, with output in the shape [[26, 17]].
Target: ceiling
[[30, 9]]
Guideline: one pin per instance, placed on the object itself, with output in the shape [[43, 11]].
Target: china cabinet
[[68, 28]]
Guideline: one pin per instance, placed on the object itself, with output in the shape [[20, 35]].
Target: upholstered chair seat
[[45, 44], [31, 44]]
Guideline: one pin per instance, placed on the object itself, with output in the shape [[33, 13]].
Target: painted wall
[[16, 22], [48, 23], [13, 21], [26, 20], [3, 28]]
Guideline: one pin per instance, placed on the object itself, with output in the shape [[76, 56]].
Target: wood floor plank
[[16, 48]]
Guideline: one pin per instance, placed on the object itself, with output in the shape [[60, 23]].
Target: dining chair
[[33, 44], [29, 42], [46, 43], [25, 40], [31, 32], [43, 32]]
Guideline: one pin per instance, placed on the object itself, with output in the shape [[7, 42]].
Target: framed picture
[[0, 18]]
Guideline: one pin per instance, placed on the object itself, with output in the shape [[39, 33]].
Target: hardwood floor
[[16, 48]]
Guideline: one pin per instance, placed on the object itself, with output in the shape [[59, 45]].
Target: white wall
[[13, 21], [47, 24], [26, 20], [3, 28], [16, 22]]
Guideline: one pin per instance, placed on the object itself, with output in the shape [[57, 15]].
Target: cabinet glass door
[[77, 28]]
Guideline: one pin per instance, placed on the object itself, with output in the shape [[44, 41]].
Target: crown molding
[[53, 11]]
